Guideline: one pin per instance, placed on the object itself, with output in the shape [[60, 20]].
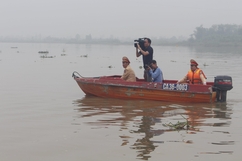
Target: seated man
[[195, 75], [155, 72], [128, 74]]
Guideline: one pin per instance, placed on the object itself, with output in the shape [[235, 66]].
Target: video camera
[[147, 66], [140, 41]]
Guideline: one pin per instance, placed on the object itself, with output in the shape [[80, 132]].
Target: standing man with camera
[[147, 53]]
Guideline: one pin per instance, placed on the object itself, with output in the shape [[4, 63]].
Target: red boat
[[168, 90]]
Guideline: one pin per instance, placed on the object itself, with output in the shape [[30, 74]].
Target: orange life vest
[[194, 77]]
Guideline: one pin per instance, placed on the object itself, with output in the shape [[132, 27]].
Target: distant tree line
[[217, 35]]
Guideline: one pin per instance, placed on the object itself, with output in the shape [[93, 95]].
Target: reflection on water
[[145, 145], [145, 118], [198, 113]]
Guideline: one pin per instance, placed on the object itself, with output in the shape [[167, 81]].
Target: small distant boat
[[14, 47], [168, 90], [43, 52], [45, 56], [63, 54]]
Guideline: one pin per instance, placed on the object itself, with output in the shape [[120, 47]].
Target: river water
[[45, 116]]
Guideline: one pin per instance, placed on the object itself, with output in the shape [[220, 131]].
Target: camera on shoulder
[[140, 41]]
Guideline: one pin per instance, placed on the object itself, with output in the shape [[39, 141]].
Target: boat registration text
[[176, 87]]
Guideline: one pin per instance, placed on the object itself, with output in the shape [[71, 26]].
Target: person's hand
[[138, 47]]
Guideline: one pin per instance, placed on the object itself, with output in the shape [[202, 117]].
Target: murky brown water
[[45, 116]]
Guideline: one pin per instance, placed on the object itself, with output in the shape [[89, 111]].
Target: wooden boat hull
[[113, 87]]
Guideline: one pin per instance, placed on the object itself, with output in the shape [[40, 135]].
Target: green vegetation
[[217, 35], [178, 125]]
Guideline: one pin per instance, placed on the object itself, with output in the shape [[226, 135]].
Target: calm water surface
[[45, 116]]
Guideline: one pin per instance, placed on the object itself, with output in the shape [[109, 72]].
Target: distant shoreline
[[183, 43]]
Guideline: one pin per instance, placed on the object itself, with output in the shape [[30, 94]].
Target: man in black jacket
[[147, 54]]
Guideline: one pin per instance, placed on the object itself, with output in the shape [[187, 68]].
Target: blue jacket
[[157, 75]]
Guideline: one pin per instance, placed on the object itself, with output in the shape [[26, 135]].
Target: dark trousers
[[147, 76]]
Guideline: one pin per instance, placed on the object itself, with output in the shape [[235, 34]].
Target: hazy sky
[[120, 18]]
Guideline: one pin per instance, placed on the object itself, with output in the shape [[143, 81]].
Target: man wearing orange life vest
[[195, 75]]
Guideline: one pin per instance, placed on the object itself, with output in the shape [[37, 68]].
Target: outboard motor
[[222, 84]]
